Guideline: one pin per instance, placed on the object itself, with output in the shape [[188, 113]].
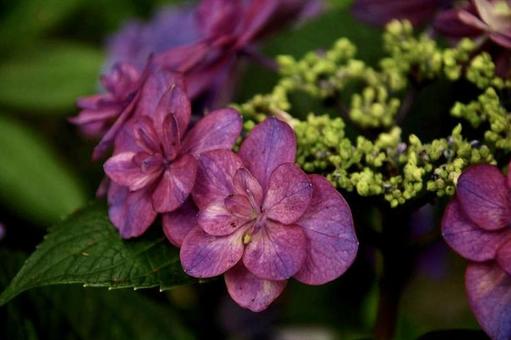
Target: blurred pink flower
[[262, 220], [476, 224]]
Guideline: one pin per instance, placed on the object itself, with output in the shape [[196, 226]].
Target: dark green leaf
[[48, 78], [77, 313], [86, 249], [34, 181]]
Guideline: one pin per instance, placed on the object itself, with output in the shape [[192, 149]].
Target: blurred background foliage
[[52, 51]]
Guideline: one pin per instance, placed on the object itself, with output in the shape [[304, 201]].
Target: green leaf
[[40, 16], [77, 313], [34, 181], [48, 78], [86, 249]]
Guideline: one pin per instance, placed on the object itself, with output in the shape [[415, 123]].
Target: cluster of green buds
[[378, 160]]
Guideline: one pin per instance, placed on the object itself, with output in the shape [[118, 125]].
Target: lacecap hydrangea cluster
[[380, 161]]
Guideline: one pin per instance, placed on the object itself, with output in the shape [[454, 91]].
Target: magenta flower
[[100, 111], [228, 29], [476, 224], [262, 220], [154, 165], [380, 12]]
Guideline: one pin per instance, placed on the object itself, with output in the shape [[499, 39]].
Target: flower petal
[[328, 226], [276, 252], [504, 255], [289, 194], [214, 177], [484, 197], [466, 238], [204, 255], [174, 101], [239, 206], [270, 144], [251, 292], [178, 223], [123, 170], [175, 185], [217, 130], [217, 220], [130, 212], [489, 293], [246, 184]]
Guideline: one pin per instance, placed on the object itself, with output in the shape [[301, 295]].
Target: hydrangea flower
[[228, 29], [262, 220], [99, 112], [476, 224], [154, 164]]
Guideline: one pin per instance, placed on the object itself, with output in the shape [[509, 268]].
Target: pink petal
[[289, 194], [175, 185], [470, 19], [217, 220], [328, 226], [204, 255], [145, 135], [503, 40], [174, 101], [270, 144], [171, 138], [214, 177], [178, 223], [276, 251], [246, 184], [251, 292], [218, 17], [217, 130], [504, 254], [240, 206], [489, 293], [130, 212], [123, 170], [484, 196], [466, 238]]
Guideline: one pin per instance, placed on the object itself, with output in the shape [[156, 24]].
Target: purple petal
[[466, 238], [251, 292], [379, 12], [217, 220], [276, 252], [289, 194], [217, 130], [483, 195], [270, 144], [123, 170], [504, 254], [204, 255], [175, 102], [246, 184], [240, 206], [328, 226], [130, 212], [489, 293], [180, 222], [503, 40], [214, 177], [175, 185], [449, 24], [218, 17], [171, 137]]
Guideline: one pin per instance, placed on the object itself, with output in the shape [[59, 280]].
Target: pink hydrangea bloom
[[476, 224], [262, 220], [154, 164], [99, 112]]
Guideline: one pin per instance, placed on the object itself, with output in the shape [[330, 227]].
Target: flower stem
[[397, 265]]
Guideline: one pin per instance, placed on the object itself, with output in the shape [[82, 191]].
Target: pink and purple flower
[[476, 224], [154, 164], [261, 220]]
